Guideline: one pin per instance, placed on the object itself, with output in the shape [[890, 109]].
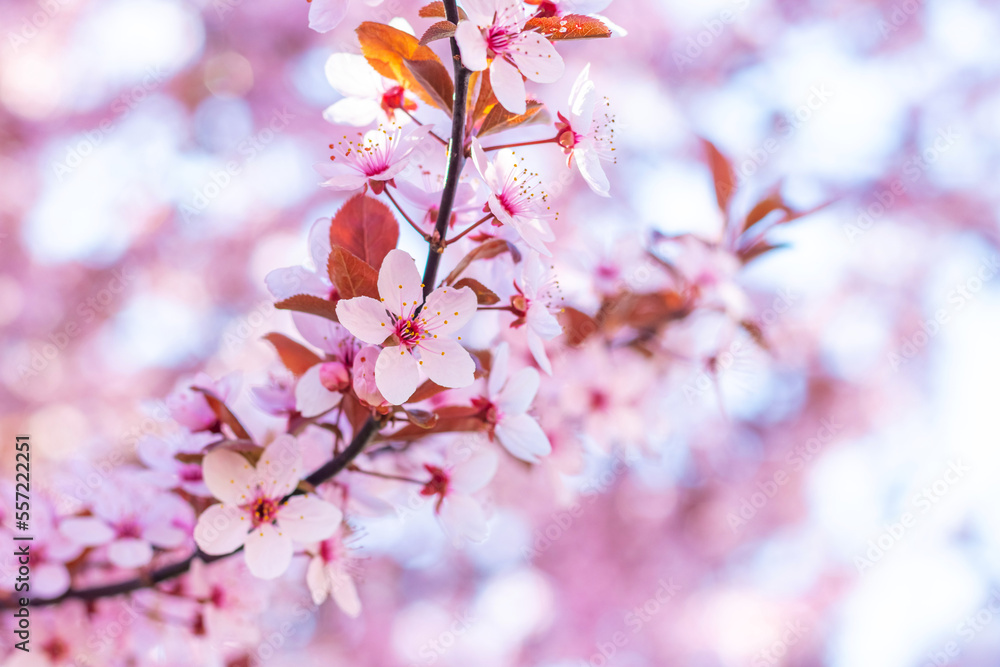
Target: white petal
[[473, 475], [287, 282], [589, 164], [537, 58], [309, 519], [508, 86], [523, 437], [325, 15], [319, 243], [351, 75], [268, 552], [498, 369], [582, 102], [229, 476], [280, 466], [519, 392], [49, 580], [472, 45], [464, 518], [446, 362], [541, 321], [321, 332], [536, 233], [340, 176], [537, 347], [352, 111], [480, 11], [479, 157], [88, 531], [317, 581], [311, 397], [365, 318], [221, 529], [130, 552], [399, 285], [396, 375], [449, 309], [344, 592]]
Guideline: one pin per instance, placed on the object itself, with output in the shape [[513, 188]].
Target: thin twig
[[406, 217], [469, 229]]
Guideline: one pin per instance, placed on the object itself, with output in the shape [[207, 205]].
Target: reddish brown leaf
[[307, 303], [570, 26], [772, 202], [484, 295], [425, 391], [435, 80], [499, 119], [747, 255], [451, 419], [354, 411], [224, 414], [386, 48], [435, 10], [351, 275], [295, 356], [577, 326], [722, 174], [487, 250], [366, 228], [440, 30]]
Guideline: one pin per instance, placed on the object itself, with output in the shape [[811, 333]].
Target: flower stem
[[523, 143], [406, 217], [470, 228], [414, 119]]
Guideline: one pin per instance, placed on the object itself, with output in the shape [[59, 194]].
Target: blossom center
[[438, 484], [410, 332], [129, 528], [498, 39], [191, 473], [264, 510]]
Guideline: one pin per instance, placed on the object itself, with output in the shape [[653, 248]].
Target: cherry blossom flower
[[253, 512], [508, 398], [461, 515], [129, 519], [368, 96], [160, 455], [325, 15], [375, 159], [363, 374], [493, 36], [329, 575], [589, 133], [516, 198], [50, 551], [533, 310], [422, 341], [277, 397], [190, 407], [320, 388]]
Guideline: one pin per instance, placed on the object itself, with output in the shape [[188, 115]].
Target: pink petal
[[325, 15], [589, 164], [449, 309], [519, 392], [268, 552], [508, 86], [229, 476], [221, 529], [317, 581], [311, 397], [130, 552], [287, 282], [49, 580], [364, 376], [536, 58], [321, 332], [87, 531], [472, 45], [537, 347], [280, 466], [396, 375], [340, 175], [523, 437], [474, 474], [319, 243], [463, 518], [351, 75], [480, 11], [582, 101], [535, 233], [399, 285], [309, 519], [446, 362], [498, 369], [365, 318], [344, 592]]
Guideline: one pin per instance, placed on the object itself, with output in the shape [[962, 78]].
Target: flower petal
[[508, 86], [352, 111], [589, 164], [317, 581], [228, 476], [311, 397], [268, 552], [396, 375], [449, 309], [498, 370], [537, 347], [463, 518], [446, 362], [519, 392], [325, 15], [87, 531], [351, 75], [582, 100], [399, 285], [536, 58], [49, 580], [365, 318], [130, 552], [523, 437], [472, 475], [287, 282], [344, 592], [221, 529], [280, 466], [309, 519], [472, 45]]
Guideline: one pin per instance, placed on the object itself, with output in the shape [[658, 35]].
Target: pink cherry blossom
[[277, 396], [190, 407], [320, 388], [532, 306], [374, 159], [492, 36], [516, 198], [368, 96], [460, 514], [253, 513], [508, 399], [363, 374], [160, 454], [50, 551], [325, 15], [589, 133], [422, 340], [329, 575]]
